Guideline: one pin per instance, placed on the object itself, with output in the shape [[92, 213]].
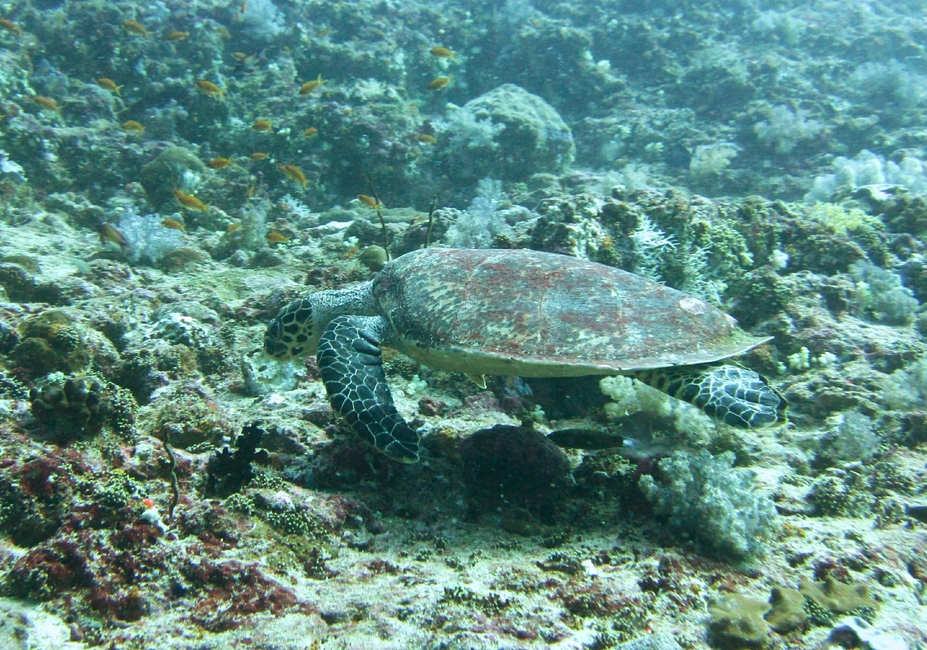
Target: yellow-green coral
[[841, 219]]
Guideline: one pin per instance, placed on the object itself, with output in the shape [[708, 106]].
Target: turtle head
[[294, 331]]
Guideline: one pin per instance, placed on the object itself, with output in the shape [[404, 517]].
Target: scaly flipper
[[351, 367], [734, 395]]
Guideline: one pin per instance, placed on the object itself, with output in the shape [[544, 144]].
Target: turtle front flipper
[[734, 395], [351, 367]]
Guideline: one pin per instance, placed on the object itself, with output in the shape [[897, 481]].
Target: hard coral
[[737, 620]]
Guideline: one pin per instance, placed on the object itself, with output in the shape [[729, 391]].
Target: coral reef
[[164, 483], [506, 133]]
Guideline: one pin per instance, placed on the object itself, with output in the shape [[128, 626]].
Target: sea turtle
[[517, 313]]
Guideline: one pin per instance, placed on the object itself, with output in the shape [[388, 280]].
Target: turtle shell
[[529, 313]]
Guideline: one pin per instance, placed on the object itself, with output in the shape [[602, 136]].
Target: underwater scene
[[576, 324]]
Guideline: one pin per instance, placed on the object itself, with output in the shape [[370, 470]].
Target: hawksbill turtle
[[517, 313]]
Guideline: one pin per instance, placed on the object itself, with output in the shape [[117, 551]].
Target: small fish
[[324, 32], [294, 173], [11, 27], [108, 233], [262, 126], [274, 237], [369, 201], [223, 32], [309, 86], [311, 131], [244, 7], [108, 84], [47, 103], [441, 52], [427, 139], [219, 163], [260, 155], [247, 63], [190, 201], [439, 83], [233, 228], [250, 191], [586, 439], [209, 88], [135, 27], [176, 36], [132, 126], [172, 224], [346, 112]]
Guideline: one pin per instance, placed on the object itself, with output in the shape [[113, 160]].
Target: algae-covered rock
[[17, 281], [50, 341], [507, 133], [738, 621], [174, 169], [788, 609]]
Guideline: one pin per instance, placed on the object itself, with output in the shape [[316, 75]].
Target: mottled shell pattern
[[542, 314]]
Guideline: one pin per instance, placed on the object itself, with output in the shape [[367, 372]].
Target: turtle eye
[[274, 329]]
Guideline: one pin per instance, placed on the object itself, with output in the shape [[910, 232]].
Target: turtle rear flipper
[[734, 395], [352, 370]]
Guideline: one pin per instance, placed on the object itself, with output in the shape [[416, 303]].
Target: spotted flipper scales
[[352, 370], [736, 396]]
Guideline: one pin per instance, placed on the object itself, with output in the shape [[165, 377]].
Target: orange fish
[[190, 201], [108, 233], [263, 126], [176, 36], [239, 56], [309, 86], [426, 138], [132, 126], [233, 228], [439, 83], [108, 84], [369, 201], [47, 103], [311, 131], [223, 32], [135, 27], [11, 27], [173, 225], [294, 173], [259, 155], [441, 52], [219, 163], [209, 88], [274, 237]]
